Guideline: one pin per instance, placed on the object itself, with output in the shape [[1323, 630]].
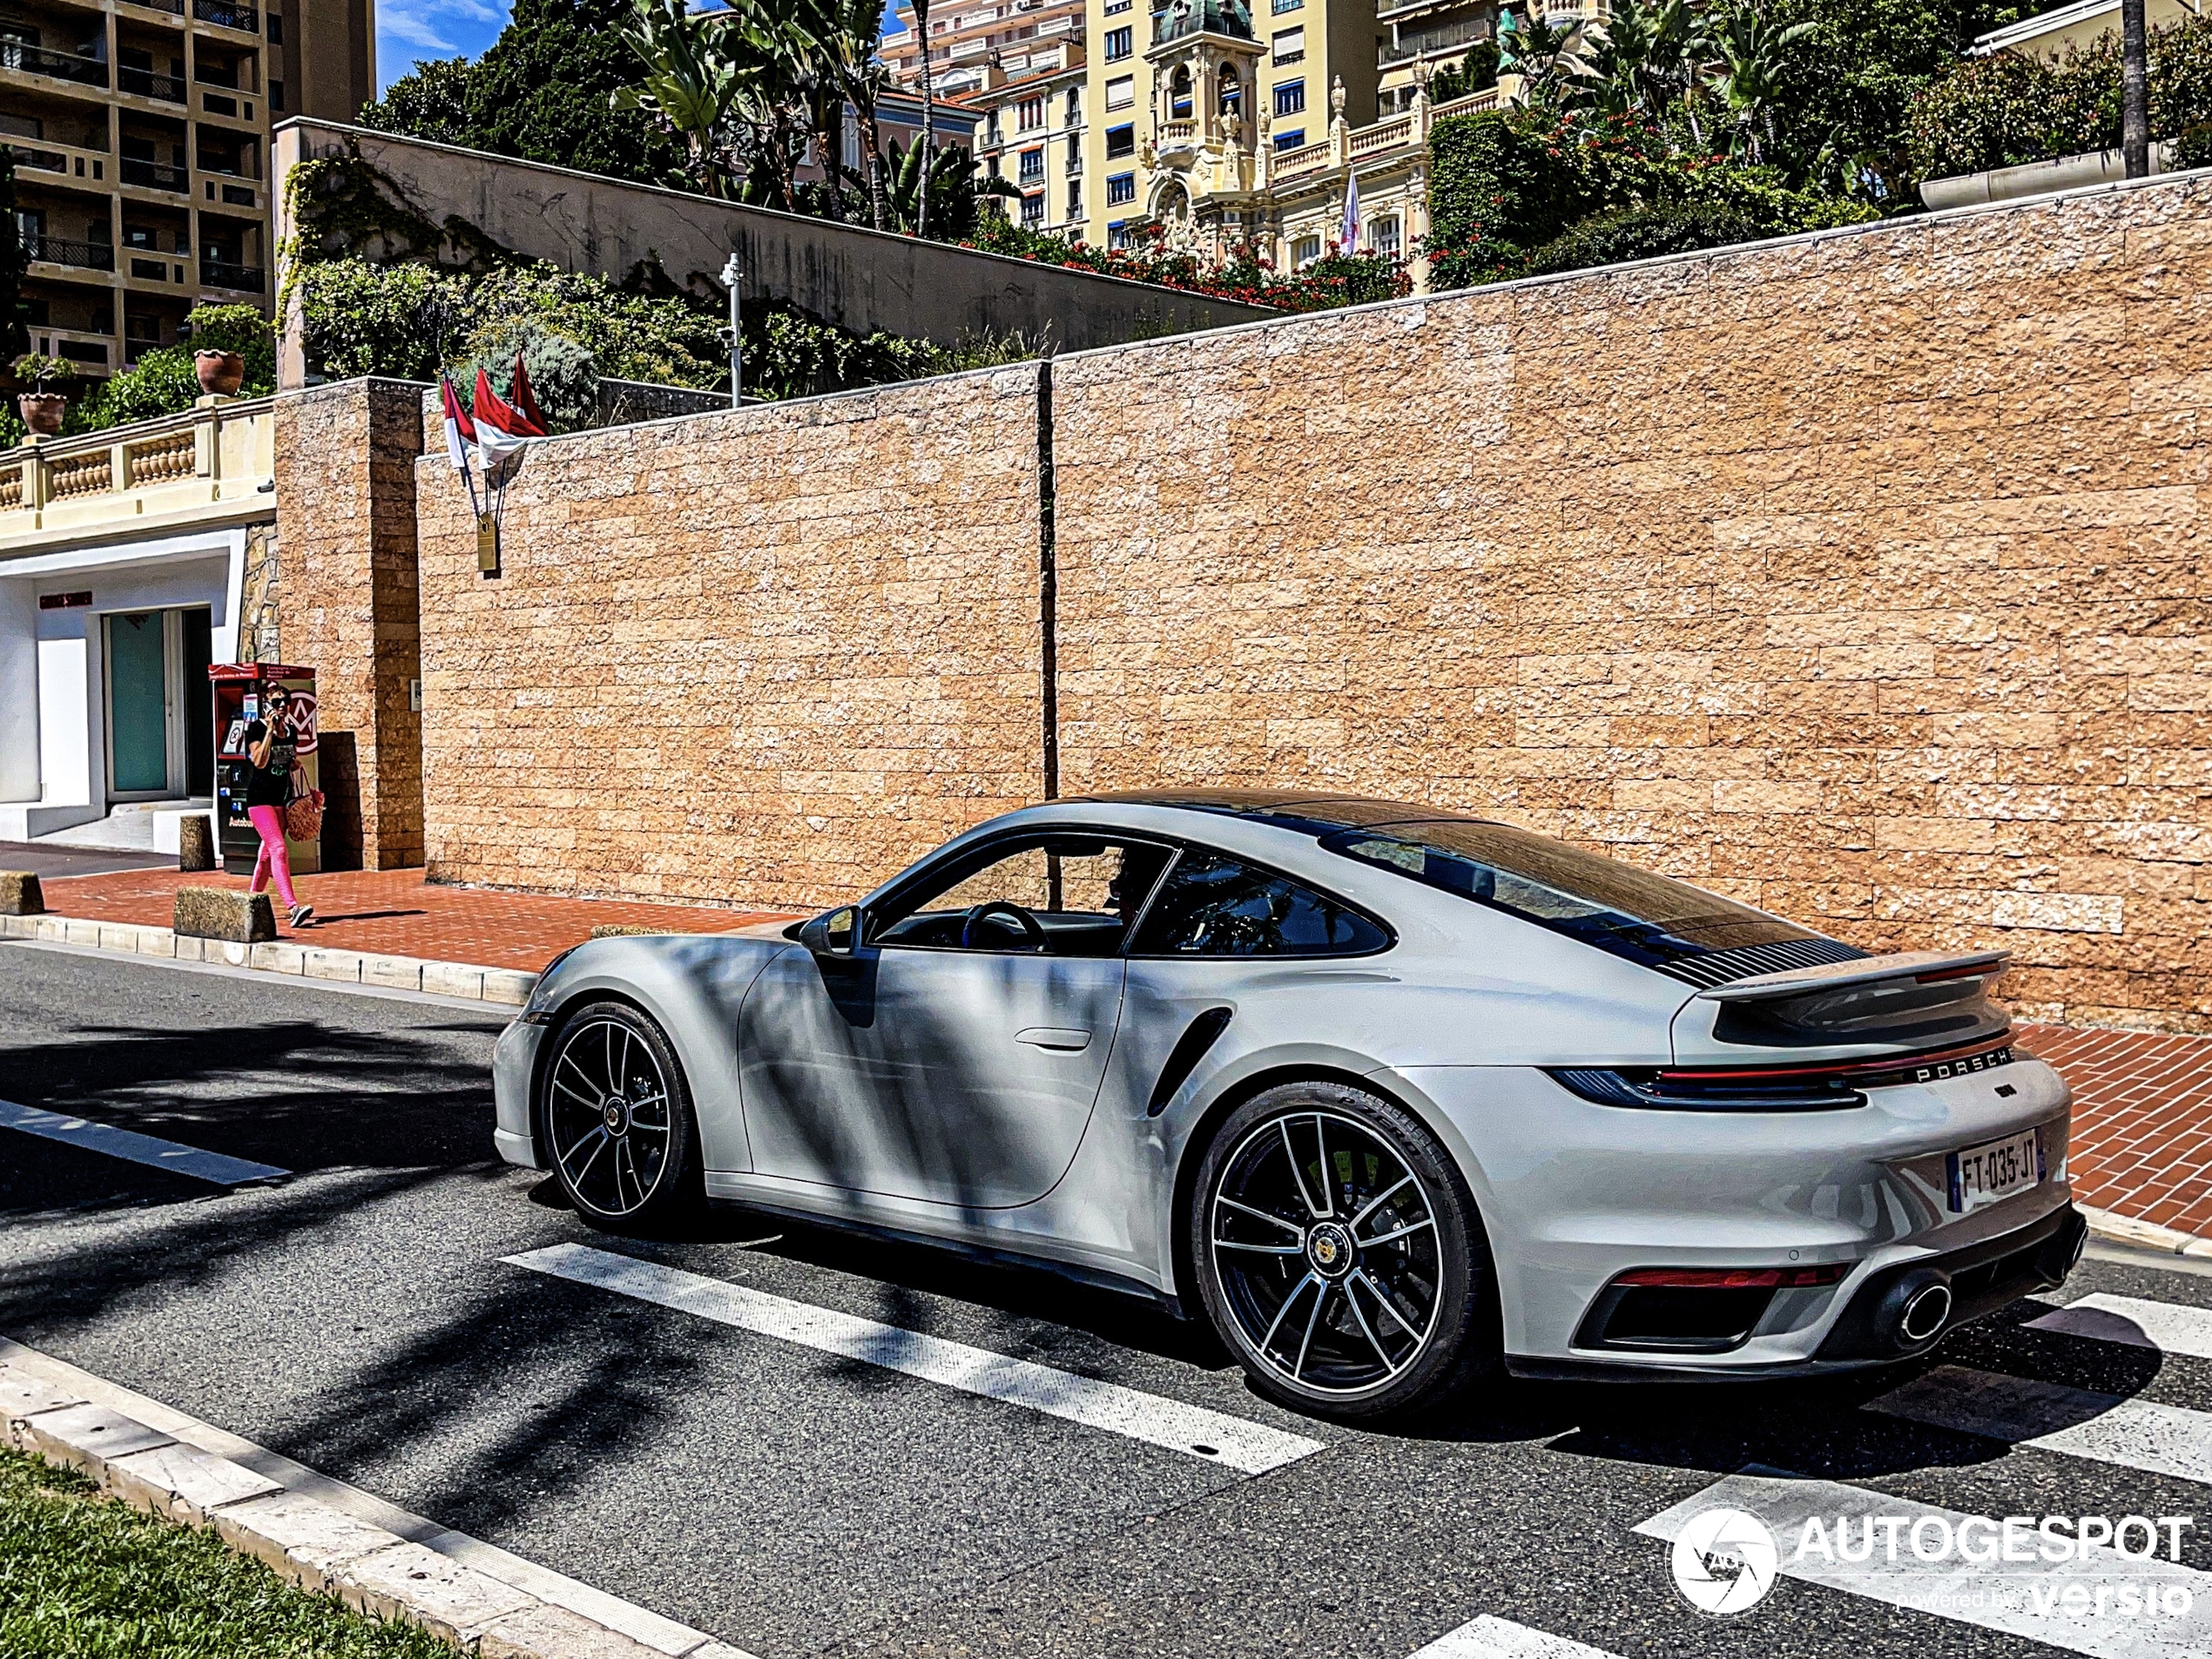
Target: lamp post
[[731, 273]]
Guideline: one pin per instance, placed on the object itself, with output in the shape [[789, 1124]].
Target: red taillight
[[1735, 1278]]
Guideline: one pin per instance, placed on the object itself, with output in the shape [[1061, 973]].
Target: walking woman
[[271, 744]]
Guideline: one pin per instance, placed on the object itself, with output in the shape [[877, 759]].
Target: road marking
[[1495, 1638], [2107, 1428], [1251, 1447], [663, 1636], [2021, 1598], [136, 1148], [2167, 1326]]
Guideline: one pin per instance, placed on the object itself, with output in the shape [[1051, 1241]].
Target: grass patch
[[83, 1576]]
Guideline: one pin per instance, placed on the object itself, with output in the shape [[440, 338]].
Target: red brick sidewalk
[[2142, 1104], [397, 913]]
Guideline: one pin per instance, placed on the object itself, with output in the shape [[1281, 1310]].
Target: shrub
[[166, 380], [564, 376], [1643, 233]]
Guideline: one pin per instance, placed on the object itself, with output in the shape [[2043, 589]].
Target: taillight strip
[[1837, 1068]]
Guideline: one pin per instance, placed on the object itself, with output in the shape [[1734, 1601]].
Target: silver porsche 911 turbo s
[[1390, 1094]]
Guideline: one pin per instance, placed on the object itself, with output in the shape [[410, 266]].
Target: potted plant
[[220, 372], [43, 402]]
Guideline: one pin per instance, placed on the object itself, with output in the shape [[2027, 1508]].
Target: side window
[[1212, 905], [1080, 891]]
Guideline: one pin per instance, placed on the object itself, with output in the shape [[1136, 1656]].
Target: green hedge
[[2004, 110], [1507, 183]]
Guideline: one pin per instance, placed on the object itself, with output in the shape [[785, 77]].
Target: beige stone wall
[[762, 658], [347, 605], [1862, 577]]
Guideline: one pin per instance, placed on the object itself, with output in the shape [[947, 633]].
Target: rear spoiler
[[1922, 966]]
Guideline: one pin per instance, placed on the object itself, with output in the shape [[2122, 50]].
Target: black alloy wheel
[[617, 1120], [1339, 1255]]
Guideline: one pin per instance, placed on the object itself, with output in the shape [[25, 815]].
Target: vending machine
[[244, 694]]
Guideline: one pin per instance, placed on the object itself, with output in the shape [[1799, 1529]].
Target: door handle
[[1058, 1038]]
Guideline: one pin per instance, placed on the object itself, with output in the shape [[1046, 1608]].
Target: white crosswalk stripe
[[134, 1148], [2095, 1607], [1194, 1431], [1489, 1637], [2108, 1428], [2168, 1327]]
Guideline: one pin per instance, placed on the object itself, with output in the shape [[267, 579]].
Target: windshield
[[1649, 919]]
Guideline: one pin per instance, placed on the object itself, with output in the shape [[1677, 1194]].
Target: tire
[[616, 1121], [1368, 1300]]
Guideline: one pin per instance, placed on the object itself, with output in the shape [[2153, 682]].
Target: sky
[[407, 29]]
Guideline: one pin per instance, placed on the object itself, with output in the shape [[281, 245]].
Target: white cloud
[[407, 29]]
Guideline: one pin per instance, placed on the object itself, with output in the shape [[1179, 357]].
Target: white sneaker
[[303, 915]]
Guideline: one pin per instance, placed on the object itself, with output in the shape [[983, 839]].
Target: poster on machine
[[246, 693]]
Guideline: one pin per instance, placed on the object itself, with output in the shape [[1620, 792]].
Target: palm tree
[[845, 34], [926, 141], [690, 82], [1752, 52], [1547, 57]]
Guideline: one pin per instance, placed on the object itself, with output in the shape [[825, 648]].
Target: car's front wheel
[[1339, 1255], [617, 1122]]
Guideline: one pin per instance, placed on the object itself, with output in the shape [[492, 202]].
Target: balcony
[[66, 161], [242, 278], [1429, 42], [225, 15], [61, 66], [145, 82], [203, 465], [172, 8], [85, 256], [151, 175]]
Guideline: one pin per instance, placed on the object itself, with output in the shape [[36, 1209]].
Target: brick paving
[[397, 913], [2142, 1101]]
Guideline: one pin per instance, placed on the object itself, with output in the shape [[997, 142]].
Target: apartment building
[[1014, 37], [1029, 130], [141, 136]]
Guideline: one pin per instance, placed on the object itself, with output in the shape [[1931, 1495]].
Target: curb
[[2144, 1235], [507, 986], [306, 1542]]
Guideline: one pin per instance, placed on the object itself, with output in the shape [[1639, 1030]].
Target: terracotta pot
[[221, 372], [41, 411]]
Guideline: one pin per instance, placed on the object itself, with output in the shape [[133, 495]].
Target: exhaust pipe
[[1914, 1311]]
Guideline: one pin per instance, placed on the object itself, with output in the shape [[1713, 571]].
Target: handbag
[[303, 817]]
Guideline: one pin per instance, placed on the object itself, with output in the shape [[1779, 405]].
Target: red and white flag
[[459, 427]]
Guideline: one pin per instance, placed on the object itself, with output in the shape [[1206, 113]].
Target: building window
[[1032, 166], [1115, 7], [1120, 42], [1075, 199], [1033, 210], [1030, 115], [1075, 107], [1289, 98], [1290, 45], [1304, 251], [1075, 154], [1383, 238], [1121, 140], [1121, 92], [1121, 187], [1282, 6], [276, 29], [1179, 94], [1117, 234], [1291, 139], [276, 95]]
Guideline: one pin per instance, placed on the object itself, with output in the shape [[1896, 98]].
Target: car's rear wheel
[[1339, 1255], [617, 1120]]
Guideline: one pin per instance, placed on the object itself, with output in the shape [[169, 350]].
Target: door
[[956, 1056], [137, 705]]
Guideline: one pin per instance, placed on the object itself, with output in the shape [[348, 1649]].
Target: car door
[[956, 1056]]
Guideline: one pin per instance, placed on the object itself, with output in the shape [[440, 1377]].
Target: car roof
[[1312, 811]]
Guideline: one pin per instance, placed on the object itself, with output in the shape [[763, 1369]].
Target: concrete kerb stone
[[507, 986], [2145, 1234], [303, 1539]]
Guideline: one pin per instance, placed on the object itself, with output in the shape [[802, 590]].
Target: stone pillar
[[349, 608]]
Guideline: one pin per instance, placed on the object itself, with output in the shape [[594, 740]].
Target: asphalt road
[[358, 1317]]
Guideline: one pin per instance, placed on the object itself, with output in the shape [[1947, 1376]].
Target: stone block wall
[[763, 656], [347, 605], [1861, 577]]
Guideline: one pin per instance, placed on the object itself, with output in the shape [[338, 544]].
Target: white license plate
[[1995, 1169]]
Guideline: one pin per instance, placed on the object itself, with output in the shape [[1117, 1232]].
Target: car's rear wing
[[1921, 967], [1908, 1003]]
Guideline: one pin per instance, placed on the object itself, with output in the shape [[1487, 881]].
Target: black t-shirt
[[269, 785]]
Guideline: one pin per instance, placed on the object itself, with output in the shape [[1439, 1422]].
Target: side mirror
[[835, 933]]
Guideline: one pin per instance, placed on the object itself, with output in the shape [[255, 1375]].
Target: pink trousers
[[270, 822]]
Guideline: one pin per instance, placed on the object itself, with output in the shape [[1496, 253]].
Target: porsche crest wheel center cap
[[1328, 1247], [615, 1115]]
